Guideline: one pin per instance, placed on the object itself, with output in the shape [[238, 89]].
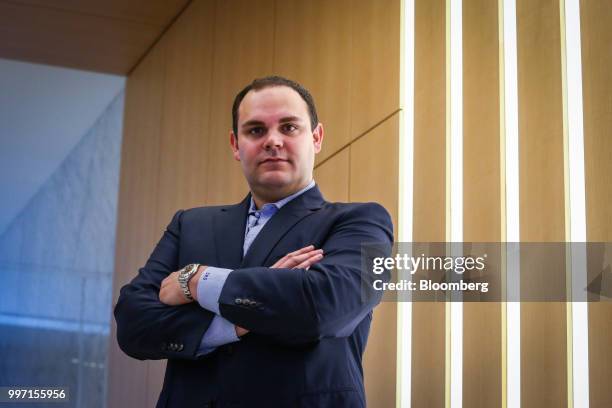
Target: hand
[[170, 292], [300, 259], [240, 331]]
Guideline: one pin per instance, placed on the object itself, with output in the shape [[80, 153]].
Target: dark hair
[[270, 81]]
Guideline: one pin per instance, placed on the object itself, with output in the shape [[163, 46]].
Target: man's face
[[275, 143]]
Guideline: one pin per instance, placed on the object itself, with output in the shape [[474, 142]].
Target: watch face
[[185, 272]]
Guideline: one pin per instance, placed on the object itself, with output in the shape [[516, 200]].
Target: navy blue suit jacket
[[308, 328]]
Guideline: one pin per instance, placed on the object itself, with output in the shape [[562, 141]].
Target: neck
[[263, 197]]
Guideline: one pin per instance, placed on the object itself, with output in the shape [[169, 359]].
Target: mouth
[[273, 160]]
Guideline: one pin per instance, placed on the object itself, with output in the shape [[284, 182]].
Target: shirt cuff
[[221, 331], [209, 287]]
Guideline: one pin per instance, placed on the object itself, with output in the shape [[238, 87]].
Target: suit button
[[238, 301], [180, 347], [252, 303]]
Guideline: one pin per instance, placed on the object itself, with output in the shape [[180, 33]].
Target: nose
[[274, 140]]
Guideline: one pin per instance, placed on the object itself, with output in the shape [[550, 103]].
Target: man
[[260, 304]]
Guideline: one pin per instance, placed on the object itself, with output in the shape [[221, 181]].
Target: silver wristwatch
[[184, 276]]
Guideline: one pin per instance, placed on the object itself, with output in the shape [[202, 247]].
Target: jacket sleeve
[[149, 329], [298, 306]]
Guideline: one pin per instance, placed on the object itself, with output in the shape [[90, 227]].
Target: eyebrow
[[254, 122], [290, 119]]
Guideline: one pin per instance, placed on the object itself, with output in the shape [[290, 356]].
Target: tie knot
[[254, 218]]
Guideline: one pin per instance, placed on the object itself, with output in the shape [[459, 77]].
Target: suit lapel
[[274, 230], [228, 228]]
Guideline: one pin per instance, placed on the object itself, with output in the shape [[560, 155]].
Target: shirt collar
[[280, 203]]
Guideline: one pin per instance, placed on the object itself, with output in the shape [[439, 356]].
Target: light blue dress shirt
[[221, 331]]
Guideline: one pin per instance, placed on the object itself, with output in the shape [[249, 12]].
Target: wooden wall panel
[[184, 145], [375, 62], [89, 35], [482, 326], [429, 124], [137, 229], [243, 52], [153, 12], [155, 380], [481, 122], [596, 33], [429, 224], [374, 164], [542, 204], [312, 46], [332, 176]]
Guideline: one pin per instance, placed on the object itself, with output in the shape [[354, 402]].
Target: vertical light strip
[[502, 203], [511, 160], [406, 163], [455, 137], [447, 200], [578, 381], [567, 215]]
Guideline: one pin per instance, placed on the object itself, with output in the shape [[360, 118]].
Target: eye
[[288, 128], [256, 131]]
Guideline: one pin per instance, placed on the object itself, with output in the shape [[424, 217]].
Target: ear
[[234, 145], [317, 137]]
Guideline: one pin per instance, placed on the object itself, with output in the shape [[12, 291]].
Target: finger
[[279, 263], [301, 250], [310, 261], [165, 282], [169, 278], [240, 331], [285, 260], [294, 260]]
